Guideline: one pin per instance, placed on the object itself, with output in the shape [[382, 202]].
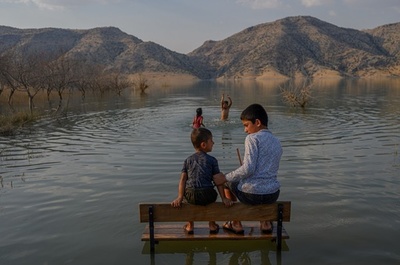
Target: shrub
[[9, 124], [296, 96]]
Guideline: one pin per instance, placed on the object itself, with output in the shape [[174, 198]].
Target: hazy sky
[[184, 25]]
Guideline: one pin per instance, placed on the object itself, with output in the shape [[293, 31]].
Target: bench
[[250, 215]]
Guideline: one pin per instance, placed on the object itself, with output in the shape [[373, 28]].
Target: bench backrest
[[164, 212]]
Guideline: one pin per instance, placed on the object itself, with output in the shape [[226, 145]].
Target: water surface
[[70, 186]]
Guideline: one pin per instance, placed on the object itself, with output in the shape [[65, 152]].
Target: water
[[70, 187]]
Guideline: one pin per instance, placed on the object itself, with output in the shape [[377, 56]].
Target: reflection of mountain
[[287, 47]]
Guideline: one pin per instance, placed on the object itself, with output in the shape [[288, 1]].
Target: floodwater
[[70, 187]]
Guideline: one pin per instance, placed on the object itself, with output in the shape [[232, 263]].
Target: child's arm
[[225, 200], [221, 192], [181, 191], [230, 101]]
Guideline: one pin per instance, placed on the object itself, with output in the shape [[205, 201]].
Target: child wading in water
[[225, 106], [196, 183], [198, 119]]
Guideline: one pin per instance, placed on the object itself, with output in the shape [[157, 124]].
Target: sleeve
[[249, 161], [184, 167], [215, 169]]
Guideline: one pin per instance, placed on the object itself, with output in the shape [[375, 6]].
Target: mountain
[[289, 47], [388, 37], [107, 46], [300, 45]]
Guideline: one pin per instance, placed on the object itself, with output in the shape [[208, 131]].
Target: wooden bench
[[250, 215]]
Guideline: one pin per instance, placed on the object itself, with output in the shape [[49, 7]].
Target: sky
[[184, 25]]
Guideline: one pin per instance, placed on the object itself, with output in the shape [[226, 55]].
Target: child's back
[[198, 119]]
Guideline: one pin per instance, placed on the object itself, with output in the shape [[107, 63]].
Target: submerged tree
[[23, 73], [55, 72], [141, 83], [297, 95], [59, 77], [6, 76], [118, 82]]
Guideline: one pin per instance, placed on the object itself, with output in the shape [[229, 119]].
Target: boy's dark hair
[[253, 112], [199, 111], [200, 135]]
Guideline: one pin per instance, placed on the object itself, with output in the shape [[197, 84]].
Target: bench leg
[[151, 228], [279, 228]]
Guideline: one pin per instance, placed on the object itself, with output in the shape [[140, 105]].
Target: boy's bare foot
[[214, 227], [188, 228], [266, 227]]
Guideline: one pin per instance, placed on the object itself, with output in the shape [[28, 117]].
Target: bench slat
[[175, 232], [164, 212]]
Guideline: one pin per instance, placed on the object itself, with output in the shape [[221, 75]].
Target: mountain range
[[289, 47]]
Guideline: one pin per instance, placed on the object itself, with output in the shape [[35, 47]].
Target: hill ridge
[[288, 47]]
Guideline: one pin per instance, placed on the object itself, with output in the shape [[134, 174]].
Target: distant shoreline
[[174, 79]]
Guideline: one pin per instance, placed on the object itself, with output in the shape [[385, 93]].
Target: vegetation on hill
[[300, 46], [289, 47]]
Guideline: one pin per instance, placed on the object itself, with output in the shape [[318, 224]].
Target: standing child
[[225, 106], [255, 181], [198, 119], [196, 182]]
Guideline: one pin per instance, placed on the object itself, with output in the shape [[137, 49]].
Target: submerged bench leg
[[151, 228], [279, 228]]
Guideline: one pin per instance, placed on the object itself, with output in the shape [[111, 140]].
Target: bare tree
[[6, 76], [297, 95], [118, 82], [98, 80], [141, 83], [35, 72], [29, 75], [87, 77], [59, 77]]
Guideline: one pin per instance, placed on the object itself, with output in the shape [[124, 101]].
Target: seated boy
[[196, 182]]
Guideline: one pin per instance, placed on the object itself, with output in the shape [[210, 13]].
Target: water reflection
[[217, 252]]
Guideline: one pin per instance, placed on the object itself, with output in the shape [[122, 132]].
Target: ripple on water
[[68, 184]]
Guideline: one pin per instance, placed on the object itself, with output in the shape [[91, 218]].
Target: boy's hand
[[177, 202], [227, 202]]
